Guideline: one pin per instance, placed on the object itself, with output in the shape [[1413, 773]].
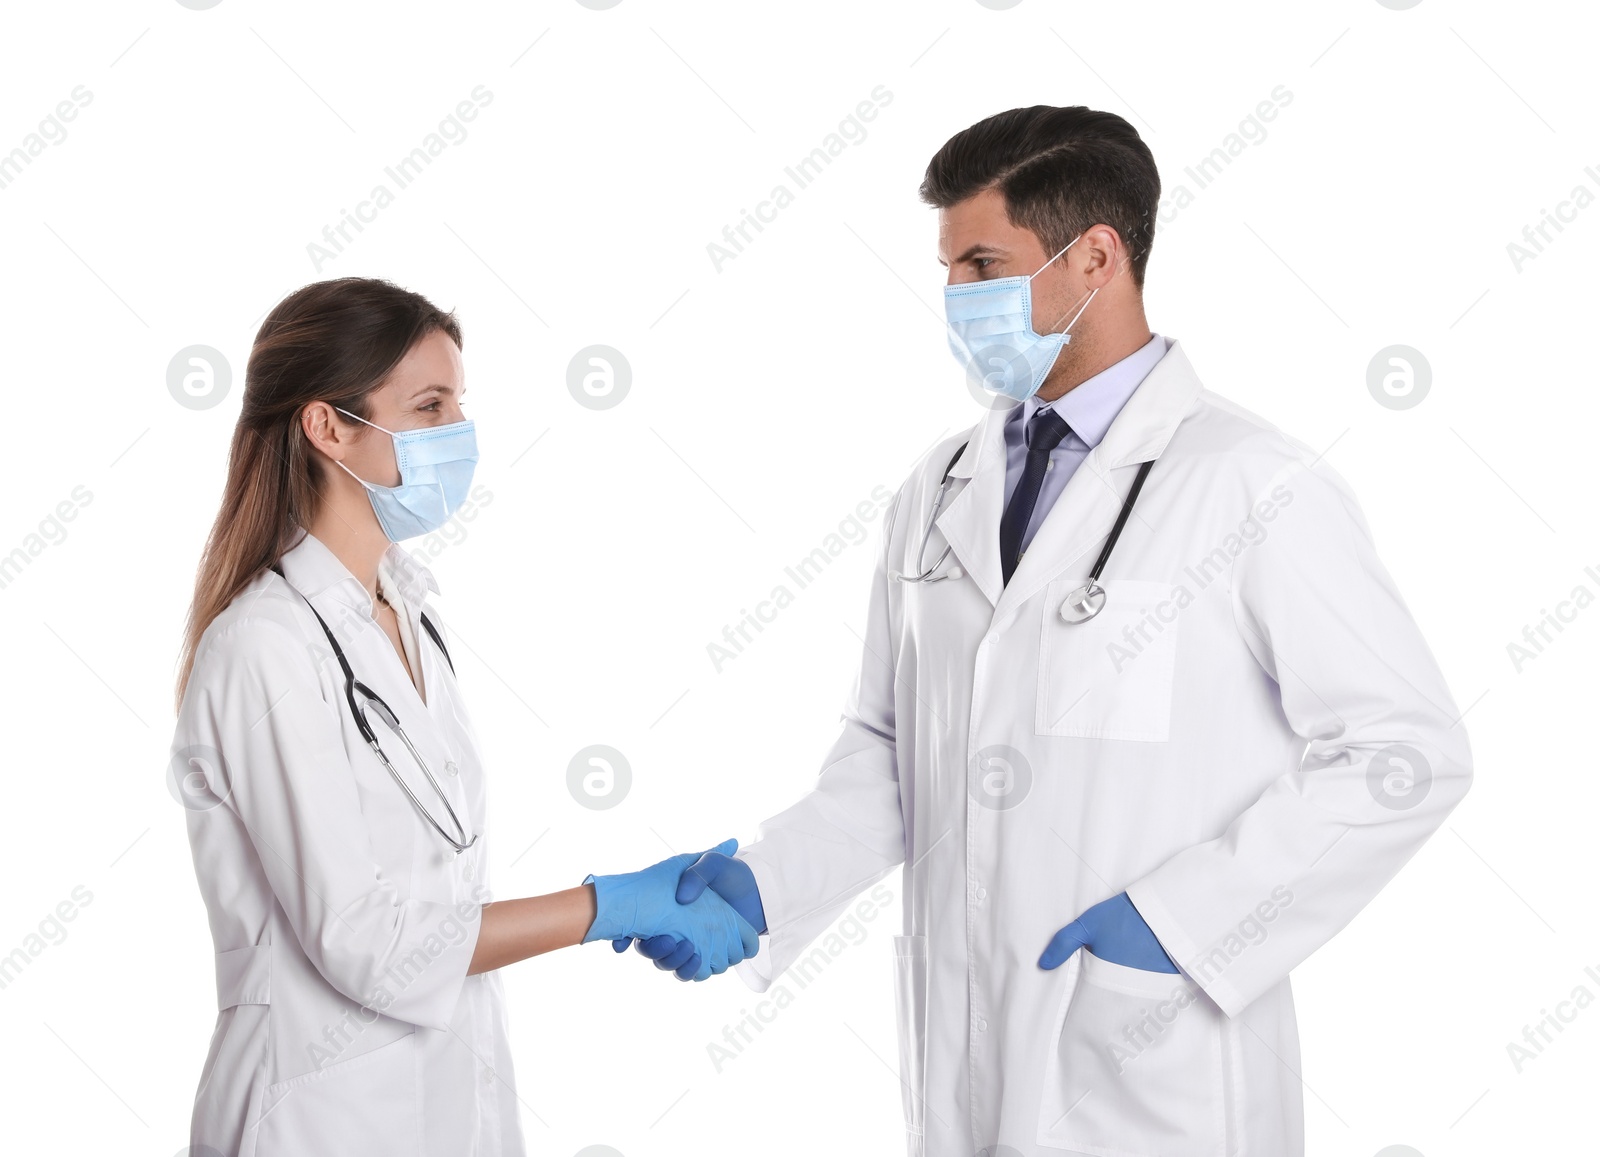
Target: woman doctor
[[332, 779]]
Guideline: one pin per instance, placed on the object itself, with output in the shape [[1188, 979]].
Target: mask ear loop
[[367, 485], [1046, 265], [1075, 316], [1092, 292], [359, 418]]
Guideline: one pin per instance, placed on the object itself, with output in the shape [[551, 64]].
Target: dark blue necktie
[[1045, 431]]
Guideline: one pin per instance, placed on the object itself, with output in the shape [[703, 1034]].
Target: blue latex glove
[[646, 904], [671, 955], [1113, 930], [729, 878]]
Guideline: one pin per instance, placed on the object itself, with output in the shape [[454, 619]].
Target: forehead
[[434, 360], [980, 219]]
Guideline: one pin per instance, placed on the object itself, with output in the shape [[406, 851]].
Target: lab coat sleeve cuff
[[423, 987], [1182, 948], [758, 972]]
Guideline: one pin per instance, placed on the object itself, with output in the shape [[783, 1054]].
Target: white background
[[767, 400]]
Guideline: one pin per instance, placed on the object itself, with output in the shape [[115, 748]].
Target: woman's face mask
[[435, 464]]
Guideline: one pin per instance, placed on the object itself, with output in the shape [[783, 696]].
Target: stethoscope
[[1084, 602], [375, 701], [927, 576]]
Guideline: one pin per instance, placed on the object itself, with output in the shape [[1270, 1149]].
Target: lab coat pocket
[[911, 1010], [1109, 677], [1138, 1067], [364, 1105]]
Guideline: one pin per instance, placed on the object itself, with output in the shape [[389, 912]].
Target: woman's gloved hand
[[645, 904]]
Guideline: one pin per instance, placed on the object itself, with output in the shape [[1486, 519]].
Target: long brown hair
[[334, 341]]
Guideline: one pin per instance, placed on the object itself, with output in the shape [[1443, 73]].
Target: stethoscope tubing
[[351, 685], [1092, 586]]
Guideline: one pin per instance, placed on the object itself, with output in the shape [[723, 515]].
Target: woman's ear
[[319, 422]]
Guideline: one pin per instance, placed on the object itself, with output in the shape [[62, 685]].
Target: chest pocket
[[1111, 676]]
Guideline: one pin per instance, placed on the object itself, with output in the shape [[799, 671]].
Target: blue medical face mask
[[991, 333], [435, 473]]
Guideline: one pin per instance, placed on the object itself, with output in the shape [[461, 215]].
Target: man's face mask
[[991, 333]]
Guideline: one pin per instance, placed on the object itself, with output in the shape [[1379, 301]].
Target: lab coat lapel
[[1083, 515], [970, 521], [342, 601]]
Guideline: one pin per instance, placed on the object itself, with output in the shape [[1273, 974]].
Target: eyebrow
[[436, 388], [979, 250]]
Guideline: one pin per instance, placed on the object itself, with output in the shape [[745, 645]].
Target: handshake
[[696, 915]]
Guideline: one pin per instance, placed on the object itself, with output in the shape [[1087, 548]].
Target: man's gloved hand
[[1113, 930], [646, 903], [729, 878]]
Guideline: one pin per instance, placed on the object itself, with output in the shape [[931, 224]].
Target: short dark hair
[[1060, 170]]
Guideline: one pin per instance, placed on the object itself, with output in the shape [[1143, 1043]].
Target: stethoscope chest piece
[[1084, 603]]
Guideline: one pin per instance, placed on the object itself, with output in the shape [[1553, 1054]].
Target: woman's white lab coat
[[1250, 739], [343, 922]]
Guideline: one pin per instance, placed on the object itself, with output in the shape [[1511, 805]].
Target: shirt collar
[[313, 569], [1091, 406]]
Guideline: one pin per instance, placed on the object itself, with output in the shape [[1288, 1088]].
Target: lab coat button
[[983, 1025], [488, 1074], [450, 766], [982, 893]]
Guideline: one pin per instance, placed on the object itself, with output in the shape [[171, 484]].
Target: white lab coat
[[343, 922], [1230, 741]]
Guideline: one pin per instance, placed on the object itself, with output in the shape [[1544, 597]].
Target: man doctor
[[1180, 796]]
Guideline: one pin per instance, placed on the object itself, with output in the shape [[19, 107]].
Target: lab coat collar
[[314, 570], [1082, 516], [1090, 407]]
